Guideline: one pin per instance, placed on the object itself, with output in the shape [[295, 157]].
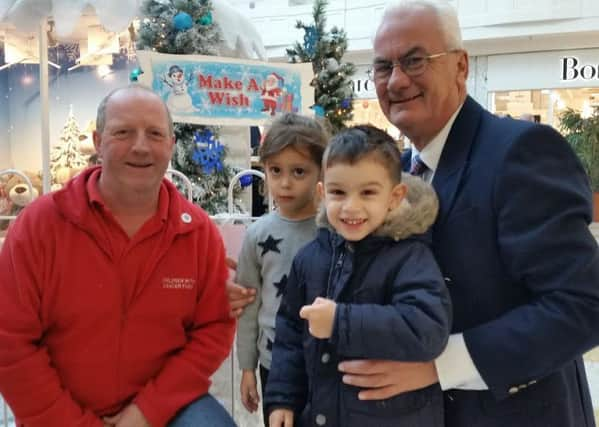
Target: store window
[[79, 75], [544, 105], [82, 69]]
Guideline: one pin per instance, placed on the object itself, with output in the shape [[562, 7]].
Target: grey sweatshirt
[[264, 263]]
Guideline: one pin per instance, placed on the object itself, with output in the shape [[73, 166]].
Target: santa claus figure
[[271, 90]]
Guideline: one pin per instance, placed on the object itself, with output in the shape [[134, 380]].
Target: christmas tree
[[66, 159], [332, 82], [186, 27], [200, 156]]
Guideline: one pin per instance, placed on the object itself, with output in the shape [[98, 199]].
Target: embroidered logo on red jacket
[[178, 283]]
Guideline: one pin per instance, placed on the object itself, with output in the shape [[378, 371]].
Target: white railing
[[7, 418], [182, 177]]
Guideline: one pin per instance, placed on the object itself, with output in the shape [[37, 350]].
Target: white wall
[[489, 26]]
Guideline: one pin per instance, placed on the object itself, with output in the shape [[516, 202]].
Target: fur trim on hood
[[414, 215]]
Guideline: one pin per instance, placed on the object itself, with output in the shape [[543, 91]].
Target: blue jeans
[[204, 412]]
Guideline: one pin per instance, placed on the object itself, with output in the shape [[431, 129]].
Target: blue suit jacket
[[522, 269]]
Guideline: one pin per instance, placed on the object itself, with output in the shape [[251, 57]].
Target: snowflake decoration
[[310, 39], [208, 151]]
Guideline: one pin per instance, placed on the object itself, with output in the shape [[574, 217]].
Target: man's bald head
[[101, 114]]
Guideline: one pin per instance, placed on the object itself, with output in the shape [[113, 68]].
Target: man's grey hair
[[101, 114], [444, 12]]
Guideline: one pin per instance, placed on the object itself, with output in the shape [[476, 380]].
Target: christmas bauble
[[182, 21], [319, 110], [135, 74], [332, 65], [246, 180], [206, 19]]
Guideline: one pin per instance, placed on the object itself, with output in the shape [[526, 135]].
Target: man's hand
[[383, 379], [320, 316], [131, 416], [249, 391], [239, 296], [281, 418]]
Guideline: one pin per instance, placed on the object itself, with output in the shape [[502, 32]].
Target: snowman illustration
[[271, 91], [178, 100]]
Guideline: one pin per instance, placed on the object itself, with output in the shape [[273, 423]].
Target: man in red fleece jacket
[[113, 309]]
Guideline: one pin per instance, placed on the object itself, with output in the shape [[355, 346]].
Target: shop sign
[[362, 85], [215, 90], [572, 69], [363, 88]]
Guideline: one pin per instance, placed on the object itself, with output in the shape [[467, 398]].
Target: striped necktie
[[418, 167]]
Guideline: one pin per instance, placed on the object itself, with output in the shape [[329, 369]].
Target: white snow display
[[241, 39]]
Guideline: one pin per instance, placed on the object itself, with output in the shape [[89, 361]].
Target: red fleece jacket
[[82, 336]]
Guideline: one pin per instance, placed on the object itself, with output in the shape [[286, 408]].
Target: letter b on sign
[[572, 71], [569, 71]]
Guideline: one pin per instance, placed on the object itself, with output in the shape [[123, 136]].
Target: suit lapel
[[455, 156]]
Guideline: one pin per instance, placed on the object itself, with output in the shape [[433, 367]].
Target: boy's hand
[[231, 263], [131, 416], [239, 296], [281, 418], [320, 316], [249, 391]]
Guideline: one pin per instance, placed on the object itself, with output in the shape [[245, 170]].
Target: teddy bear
[[86, 139], [15, 194]]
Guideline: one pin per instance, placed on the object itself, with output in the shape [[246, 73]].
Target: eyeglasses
[[411, 65]]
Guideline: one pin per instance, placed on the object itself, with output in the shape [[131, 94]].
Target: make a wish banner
[[226, 91]]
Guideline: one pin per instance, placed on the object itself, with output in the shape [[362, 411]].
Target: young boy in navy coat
[[366, 287]]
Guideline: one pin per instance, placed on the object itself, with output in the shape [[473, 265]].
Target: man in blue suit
[[512, 240]]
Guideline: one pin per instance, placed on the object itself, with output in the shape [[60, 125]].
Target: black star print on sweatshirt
[[270, 244], [280, 285]]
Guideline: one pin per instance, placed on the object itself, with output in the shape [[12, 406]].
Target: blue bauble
[[205, 20], [135, 73], [319, 110], [346, 103], [246, 180], [182, 21]]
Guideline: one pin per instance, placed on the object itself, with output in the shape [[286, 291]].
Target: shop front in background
[[539, 86]]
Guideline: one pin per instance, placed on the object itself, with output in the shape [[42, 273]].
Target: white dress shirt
[[455, 367]]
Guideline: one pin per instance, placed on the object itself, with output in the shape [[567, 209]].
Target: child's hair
[[357, 142], [294, 130]]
